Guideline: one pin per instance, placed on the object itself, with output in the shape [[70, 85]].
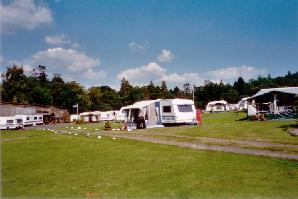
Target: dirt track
[[204, 146]]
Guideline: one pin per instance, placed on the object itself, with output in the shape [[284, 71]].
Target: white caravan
[[119, 117], [89, 116], [27, 119], [242, 104], [178, 111], [107, 116], [74, 118], [37, 119], [217, 106], [10, 123]]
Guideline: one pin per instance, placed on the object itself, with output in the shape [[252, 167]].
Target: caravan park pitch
[[42, 163]]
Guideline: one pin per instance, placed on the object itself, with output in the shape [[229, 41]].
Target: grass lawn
[[53, 165], [227, 125], [230, 126]]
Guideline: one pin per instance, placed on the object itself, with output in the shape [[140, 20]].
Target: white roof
[[218, 102], [289, 90], [179, 101], [86, 113], [245, 98], [140, 105]]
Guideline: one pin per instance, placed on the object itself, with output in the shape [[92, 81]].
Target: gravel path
[[254, 143], [211, 147], [201, 146]]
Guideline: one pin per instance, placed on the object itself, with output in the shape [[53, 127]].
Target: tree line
[[37, 89]]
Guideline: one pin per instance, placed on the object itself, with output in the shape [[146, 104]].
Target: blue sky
[[98, 42]]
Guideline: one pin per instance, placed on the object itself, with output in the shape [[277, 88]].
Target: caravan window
[[166, 109], [40, 118], [9, 121], [27, 118], [185, 108], [19, 120], [35, 118]]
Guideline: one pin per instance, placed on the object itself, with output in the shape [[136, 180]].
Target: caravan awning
[[139, 105], [286, 90]]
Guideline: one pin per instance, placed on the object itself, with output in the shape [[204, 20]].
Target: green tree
[[14, 85], [164, 90]]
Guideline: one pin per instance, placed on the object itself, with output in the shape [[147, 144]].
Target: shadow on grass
[[290, 128], [243, 119]]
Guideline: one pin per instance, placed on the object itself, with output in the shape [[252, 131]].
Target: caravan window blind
[[185, 108]]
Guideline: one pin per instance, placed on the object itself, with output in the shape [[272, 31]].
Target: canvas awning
[[286, 90]]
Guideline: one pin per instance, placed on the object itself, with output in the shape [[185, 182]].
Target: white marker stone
[[99, 137], [76, 134], [49, 129], [71, 127], [114, 138], [79, 127], [84, 128], [52, 130], [69, 132], [96, 129]]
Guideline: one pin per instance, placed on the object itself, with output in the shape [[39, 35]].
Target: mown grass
[[53, 165], [232, 126], [224, 125]]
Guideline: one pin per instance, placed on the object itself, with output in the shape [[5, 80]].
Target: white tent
[[242, 104], [217, 106]]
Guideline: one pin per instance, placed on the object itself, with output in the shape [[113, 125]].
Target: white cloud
[[71, 59], [154, 72], [180, 79], [57, 39], [137, 47], [92, 74], [70, 63], [165, 56], [143, 74], [60, 40], [24, 14], [232, 73]]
